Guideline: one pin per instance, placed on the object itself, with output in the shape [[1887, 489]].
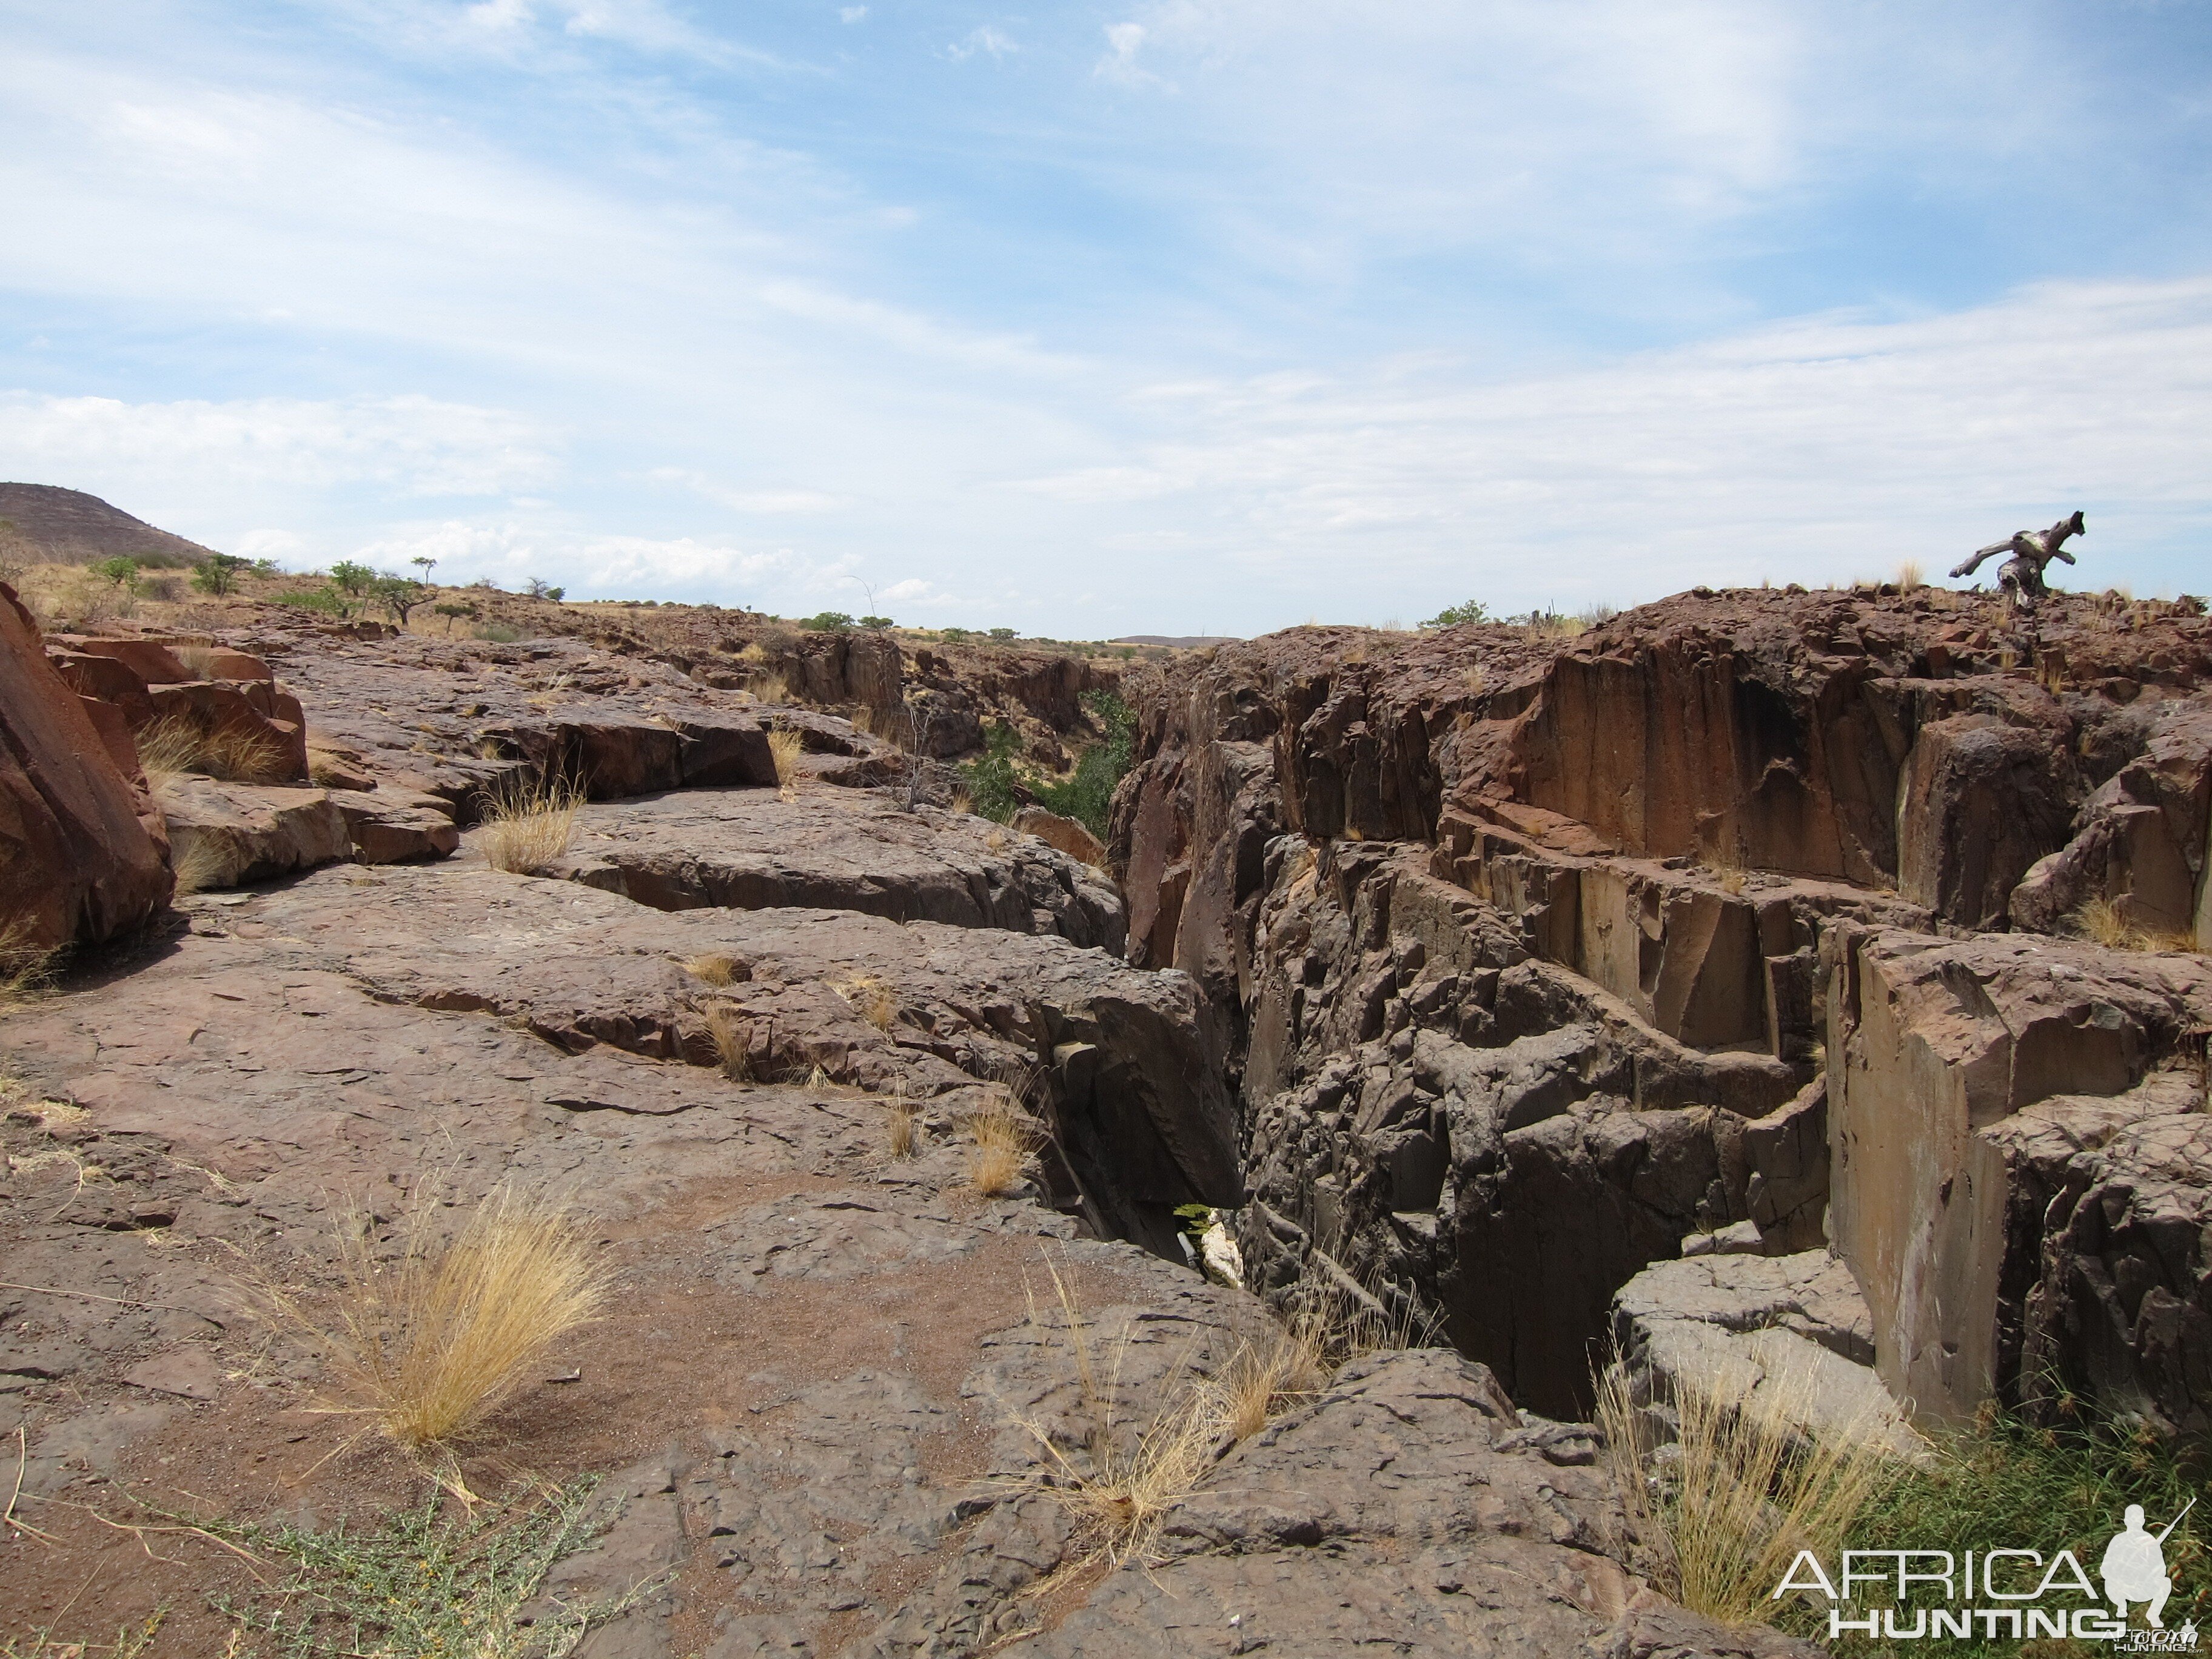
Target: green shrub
[[352, 578], [1002, 634], [990, 781], [1088, 794], [327, 599], [124, 573], [1473, 611], [877, 621], [218, 573], [827, 621]]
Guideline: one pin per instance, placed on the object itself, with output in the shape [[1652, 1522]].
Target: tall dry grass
[[1118, 1485], [731, 1031], [1745, 1486], [202, 859], [1004, 1139], [528, 827], [717, 968], [26, 968], [430, 1345], [785, 748], [173, 745], [2106, 923]]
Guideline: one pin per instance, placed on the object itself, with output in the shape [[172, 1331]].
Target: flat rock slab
[[836, 849], [1791, 1331], [457, 717], [247, 832]]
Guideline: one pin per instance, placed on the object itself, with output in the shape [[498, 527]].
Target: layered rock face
[[1531, 947]]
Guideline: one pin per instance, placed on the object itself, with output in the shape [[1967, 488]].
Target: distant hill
[[45, 524], [1181, 641]]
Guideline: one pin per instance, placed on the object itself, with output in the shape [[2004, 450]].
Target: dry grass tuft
[[172, 745], [731, 1032], [787, 747], [204, 860], [2108, 925], [964, 803], [198, 658], [1910, 576], [26, 968], [902, 1125], [773, 688], [1005, 1136], [431, 1345], [872, 998], [718, 969], [1263, 1380], [997, 840], [526, 828], [1744, 1489], [1118, 1489]]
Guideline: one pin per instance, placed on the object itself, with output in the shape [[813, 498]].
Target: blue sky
[[1171, 315]]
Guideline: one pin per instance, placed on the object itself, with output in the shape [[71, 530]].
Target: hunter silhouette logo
[[2134, 1568]]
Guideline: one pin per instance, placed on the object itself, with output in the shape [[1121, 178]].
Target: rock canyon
[[1756, 980]]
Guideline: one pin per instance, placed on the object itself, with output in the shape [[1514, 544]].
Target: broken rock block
[[1933, 1045], [1790, 1333], [396, 825], [228, 834]]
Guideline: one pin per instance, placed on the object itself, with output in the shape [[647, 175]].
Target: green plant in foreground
[[1473, 611], [2004, 1483], [436, 1579]]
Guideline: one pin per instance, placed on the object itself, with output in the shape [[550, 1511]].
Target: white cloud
[[851, 14], [983, 39], [1820, 449], [409, 445]]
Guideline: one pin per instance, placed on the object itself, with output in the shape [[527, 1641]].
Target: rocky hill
[[44, 524], [1758, 976]]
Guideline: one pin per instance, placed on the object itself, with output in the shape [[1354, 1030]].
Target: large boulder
[[81, 859]]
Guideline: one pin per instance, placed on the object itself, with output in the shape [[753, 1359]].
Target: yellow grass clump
[[172, 745], [716, 968], [527, 828], [1747, 1486], [432, 1344], [1118, 1487], [786, 748], [198, 658], [26, 968], [1264, 1379], [902, 1125], [1910, 576], [872, 998], [963, 802], [201, 861], [731, 1031], [1005, 1136], [2106, 923]]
